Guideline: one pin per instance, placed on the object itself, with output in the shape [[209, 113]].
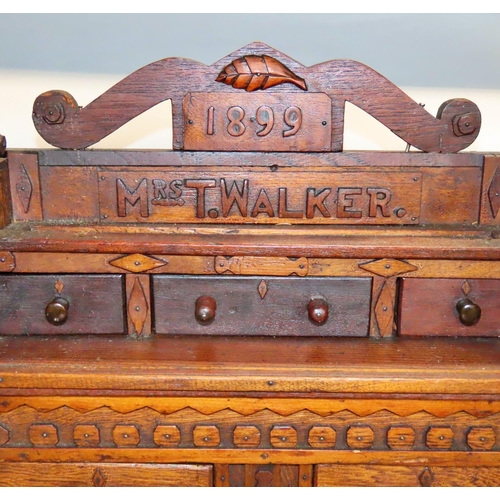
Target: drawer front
[[389, 475], [94, 304], [449, 306], [97, 474], [262, 306]]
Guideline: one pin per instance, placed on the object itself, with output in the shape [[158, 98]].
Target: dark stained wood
[[159, 158], [239, 308], [212, 195], [78, 186], [241, 240], [63, 123], [237, 264], [430, 307], [490, 212], [5, 196], [257, 122], [25, 186], [95, 304]]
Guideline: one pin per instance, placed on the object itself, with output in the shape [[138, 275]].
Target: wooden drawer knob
[[318, 310], [56, 311], [205, 308], [468, 312]]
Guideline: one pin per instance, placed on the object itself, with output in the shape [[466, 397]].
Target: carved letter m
[[139, 194]]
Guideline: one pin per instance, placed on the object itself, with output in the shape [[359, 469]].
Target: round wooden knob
[[468, 312], [56, 311], [318, 310], [205, 308]]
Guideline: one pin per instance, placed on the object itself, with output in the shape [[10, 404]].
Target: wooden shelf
[[305, 367]]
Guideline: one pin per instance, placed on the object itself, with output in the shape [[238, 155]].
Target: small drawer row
[[244, 305]]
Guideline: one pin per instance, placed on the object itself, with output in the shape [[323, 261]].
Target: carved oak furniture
[[255, 307]]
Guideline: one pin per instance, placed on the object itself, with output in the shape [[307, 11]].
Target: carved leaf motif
[[258, 73], [24, 188]]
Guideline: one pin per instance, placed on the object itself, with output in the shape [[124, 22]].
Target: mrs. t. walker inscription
[[265, 197]]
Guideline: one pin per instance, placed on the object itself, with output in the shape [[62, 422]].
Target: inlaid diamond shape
[[138, 263], [262, 289], [98, 478], [466, 288], [59, 286], [494, 193], [388, 267]]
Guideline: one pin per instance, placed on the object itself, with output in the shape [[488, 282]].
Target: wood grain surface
[[63, 123]]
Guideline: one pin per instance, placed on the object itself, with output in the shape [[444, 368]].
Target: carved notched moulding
[[256, 67]]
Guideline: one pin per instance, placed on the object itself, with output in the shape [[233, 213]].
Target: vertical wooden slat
[[138, 306]]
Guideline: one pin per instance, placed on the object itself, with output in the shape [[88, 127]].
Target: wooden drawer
[[89, 474], [389, 475], [95, 304], [263, 306], [429, 307]]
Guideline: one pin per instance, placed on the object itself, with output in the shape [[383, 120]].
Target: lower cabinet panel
[[389, 475], [88, 474], [265, 475]]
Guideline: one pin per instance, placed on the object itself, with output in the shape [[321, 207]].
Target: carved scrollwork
[[62, 123]]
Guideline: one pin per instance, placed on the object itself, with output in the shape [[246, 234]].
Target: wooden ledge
[[309, 367], [287, 241]]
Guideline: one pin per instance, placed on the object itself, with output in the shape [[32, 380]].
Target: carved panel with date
[[256, 122]]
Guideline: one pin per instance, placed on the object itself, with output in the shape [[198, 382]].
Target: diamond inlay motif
[[262, 289], [59, 286], [98, 478], [24, 188], [388, 267], [494, 193], [138, 263], [466, 288], [426, 478]]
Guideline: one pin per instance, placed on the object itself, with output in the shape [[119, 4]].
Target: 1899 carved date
[[266, 122]]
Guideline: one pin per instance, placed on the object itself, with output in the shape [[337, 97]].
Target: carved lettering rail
[[272, 197]]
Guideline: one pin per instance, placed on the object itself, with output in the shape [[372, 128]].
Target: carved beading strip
[[226, 429]]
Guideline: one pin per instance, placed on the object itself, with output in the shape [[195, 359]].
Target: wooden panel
[[258, 122], [262, 195], [428, 306], [379, 475], [443, 366], [490, 200], [5, 196], [255, 68], [138, 305], [99, 474], [243, 309], [69, 194], [95, 304], [25, 186]]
